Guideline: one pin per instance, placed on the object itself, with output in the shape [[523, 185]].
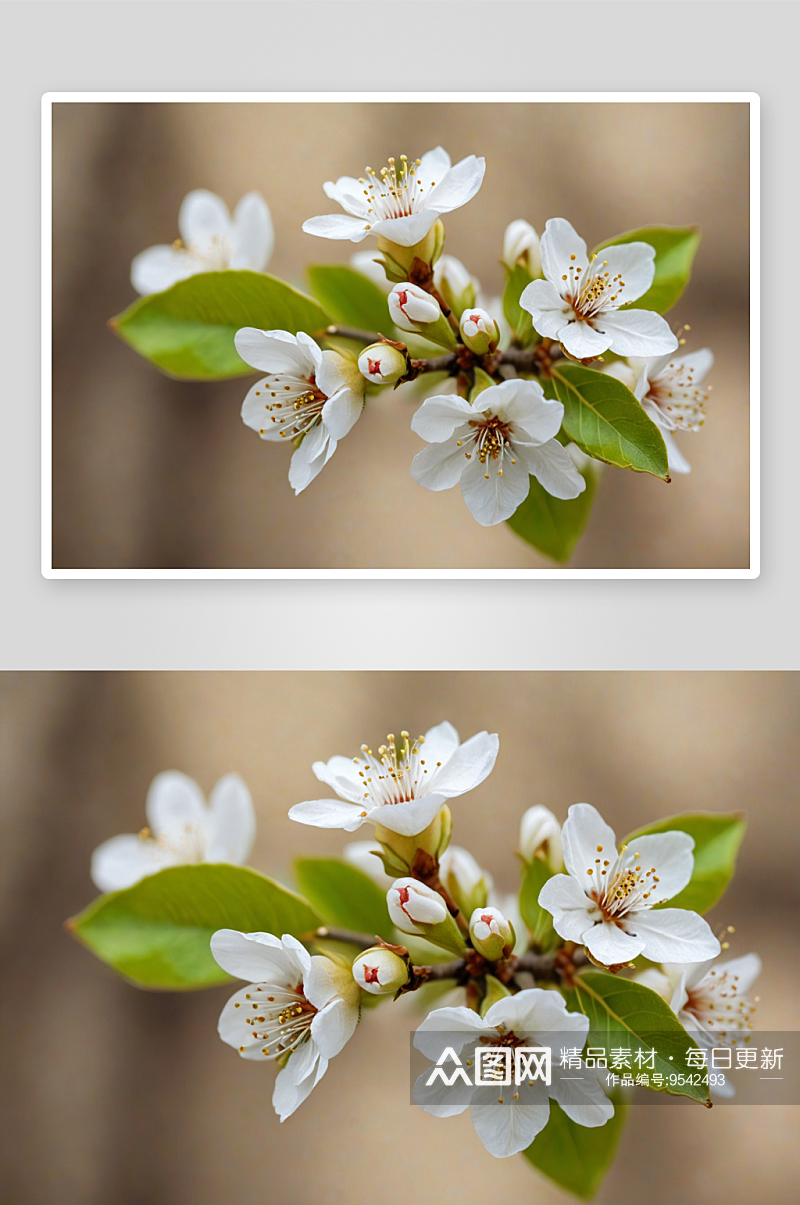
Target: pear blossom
[[295, 1006], [508, 1118], [479, 330], [380, 971], [382, 364], [606, 899], [579, 301], [211, 241], [492, 445], [309, 397], [181, 829], [540, 833], [404, 786], [412, 904], [400, 204], [521, 245], [412, 308], [491, 932], [668, 388]]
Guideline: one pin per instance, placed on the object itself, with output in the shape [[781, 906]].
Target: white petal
[[334, 1026], [433, 167], [410, 817], [328, 813], [254, 409], [337, 225], [440, 465], [203, 218], [325, 980], [583, 1100], [458, 186], [342, 411], [569, 906], [493, 500], [273, 352], [232, 827], [408, 230], [558, 244], [535, 417], [467, 767], [440, 416], [296, 1081], [436, 1098], [676, 461], [158, 268], [349, 193], [122, 861], [447, 1027], [671, 855], [554, 468], [636, 332], [441, 742], [673, 935], [341, 773], [610, 945], [253, 233], [745, 969], [585, 829], [635, 263], [176, 808], [549, 312], [583, 340], [256, 957], [696, 363], [509, 1128], [311, 457]]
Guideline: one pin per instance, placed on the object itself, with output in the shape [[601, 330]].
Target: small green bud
[[414, 310], [492, 934], [479, 331], [416, 908], [382, 364], [381, 971], [540, 837]]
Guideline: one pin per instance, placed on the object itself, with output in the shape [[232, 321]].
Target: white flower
[[606, 899], [210, 242], [412, 904], [380, 971], [305, 1007], [521, 242], [492, 445], [366, 263], [181, 829], [533, 1017], [579, 300], [402, 788], [401, 204], [366, 858], [308, 394], [540, 832], [669, 389]]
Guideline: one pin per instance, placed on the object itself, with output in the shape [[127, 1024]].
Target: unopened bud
[[382, 363], [465, 880], [540, 836], [414, 310], [492, 933], [521, 245], [380, 971], [479, 331], [412, 903], [459, 289]]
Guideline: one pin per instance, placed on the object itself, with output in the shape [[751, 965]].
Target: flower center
[[393, 193], [678, 398], [280, 1018], [397, 774], [505, 1037], [490, 438], [592, 291], [214, 255], [295, 404], [716, 1002], [189, 846], [621, 888]]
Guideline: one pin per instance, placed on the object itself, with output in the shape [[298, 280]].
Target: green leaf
[[538, 920], [675, 248], [495, 991], [188, 330], [554, 525], [717, 837], [574, 1156], [605, 420], [627, 1015], [157, 932], [350, 298], [517, 279], [482, 381], [344, 895]]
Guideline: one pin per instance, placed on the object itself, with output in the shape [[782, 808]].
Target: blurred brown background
[[150, 472], [117, 1095]]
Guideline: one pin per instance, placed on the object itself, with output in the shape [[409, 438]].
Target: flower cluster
[[494, 419], [516, 979]]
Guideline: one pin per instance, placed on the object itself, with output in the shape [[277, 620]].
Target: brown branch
[[560, 966], [333, 933], [353, 332]]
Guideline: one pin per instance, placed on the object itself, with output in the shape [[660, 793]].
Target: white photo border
[[750, 98]]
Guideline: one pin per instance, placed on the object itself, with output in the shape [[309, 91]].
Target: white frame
[[749, 98]]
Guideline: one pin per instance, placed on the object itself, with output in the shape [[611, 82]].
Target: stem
[[541, 966], [332, 933], [353, 332]]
